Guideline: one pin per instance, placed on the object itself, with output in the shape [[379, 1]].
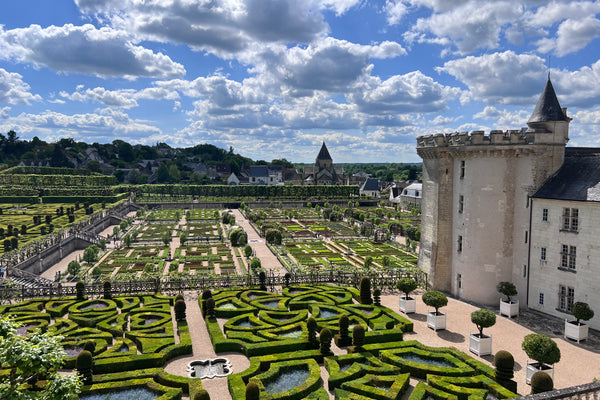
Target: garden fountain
[[210, 368]]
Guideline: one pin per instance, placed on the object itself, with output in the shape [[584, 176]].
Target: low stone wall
[[589, 391]]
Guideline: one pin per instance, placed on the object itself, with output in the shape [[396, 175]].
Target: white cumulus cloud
[[103, 52]]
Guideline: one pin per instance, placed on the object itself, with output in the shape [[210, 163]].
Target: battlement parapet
[[496, 137]]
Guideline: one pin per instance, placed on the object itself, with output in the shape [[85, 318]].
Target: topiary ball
[[90, 346], [201, 395], [541, 382], [505, 364], [252, 391], [84, 361]]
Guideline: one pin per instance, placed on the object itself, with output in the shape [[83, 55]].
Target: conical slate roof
[[547, 108], [324, 153]]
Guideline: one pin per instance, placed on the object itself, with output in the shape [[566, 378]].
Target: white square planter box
[[408, 305], [533, 368], [482, 346], [436, 321], [576, 332], [509, 309]]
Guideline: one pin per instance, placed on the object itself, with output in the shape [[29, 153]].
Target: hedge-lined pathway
[[202, 349], [578, 365], [268, 260]]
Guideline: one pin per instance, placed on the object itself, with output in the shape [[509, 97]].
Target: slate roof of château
[[547, 108], [577, 180]]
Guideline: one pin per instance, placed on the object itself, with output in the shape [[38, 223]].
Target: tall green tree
[[31, 358]]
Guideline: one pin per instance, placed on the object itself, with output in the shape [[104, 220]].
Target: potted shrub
[[575, 329], [435, 320], [544, 351], [508, 307], [407, 303], [479, 343]]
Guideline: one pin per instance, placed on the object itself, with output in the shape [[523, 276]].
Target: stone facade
[[476, 202]]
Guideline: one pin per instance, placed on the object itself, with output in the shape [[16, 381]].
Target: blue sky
[[275, 78]]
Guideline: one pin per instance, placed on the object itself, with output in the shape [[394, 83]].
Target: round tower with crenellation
[[475, 207]]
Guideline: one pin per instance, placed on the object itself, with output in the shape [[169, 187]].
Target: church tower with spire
[[324, 172], [476, 201]]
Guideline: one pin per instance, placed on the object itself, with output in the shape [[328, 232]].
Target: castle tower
[[475, 209]]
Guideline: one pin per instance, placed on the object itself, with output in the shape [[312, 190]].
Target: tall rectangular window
[[541, 299], [459, 244], [545, 215], [543, 254], [568, 257], [570, 219], [462, 169], [566, 296], [461, 203]]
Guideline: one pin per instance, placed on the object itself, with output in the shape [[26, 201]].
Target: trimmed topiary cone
[[377, 297], [252, 391], [541, 382], [210, 308], [179, 308], [107, 290], [80, 290], [83, 364], [358, 336], [311, 326], [505, 365], [325, 341], [90, 346], [365, 290]]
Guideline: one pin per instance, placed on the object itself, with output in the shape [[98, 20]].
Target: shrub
[[377, 297], [242, 239], [180, 297], [273, 236], [255, 264], [508, 289], [210, 308], [248, 250], [252, 391], [311, 326], [83, 364], [435, 299], [483, 318], [358, 336], [344, 322], [505, 365], [262, 279], [541, 348], [365, 290], [179, 308], [201, 395], [582, 311], [286, 279], [541, 382], [107, 290], [407, 285], [80, 290], [73, 268], [90, 346], [325, 341]]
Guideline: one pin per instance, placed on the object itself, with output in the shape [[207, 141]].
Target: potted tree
[[508, 307], [578, 330], [544, 351], [479, 343], [435, 320], [407, 303]]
